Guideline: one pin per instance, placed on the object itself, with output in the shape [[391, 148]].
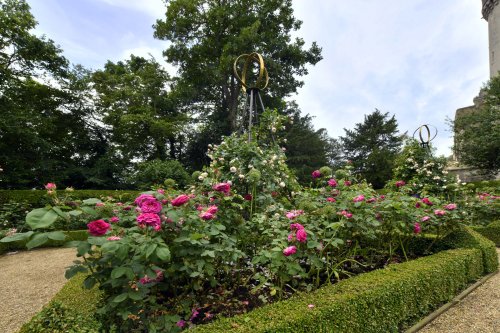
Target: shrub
[[79, 235], [155, 172], [491, 231]]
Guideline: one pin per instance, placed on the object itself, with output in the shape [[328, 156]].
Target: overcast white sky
[[417, 59]]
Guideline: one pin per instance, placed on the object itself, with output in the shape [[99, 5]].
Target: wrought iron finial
[[425, 142]]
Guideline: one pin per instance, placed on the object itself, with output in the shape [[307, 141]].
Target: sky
[[419, 60]]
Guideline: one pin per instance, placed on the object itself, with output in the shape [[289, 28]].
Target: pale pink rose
[[359, 198], [425, 218], [293, 214], [289, 250], [99, 204], [161, 191], [50, 186], [114, 238], [114, 219], [439, 212], [310, 306], [451, 206]]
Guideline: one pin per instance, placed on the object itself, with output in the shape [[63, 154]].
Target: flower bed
[[384, 300]]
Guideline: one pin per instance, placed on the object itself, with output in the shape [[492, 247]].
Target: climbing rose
[[316, 174], [400, 183], [113, 238], [289, 251], [359, 198], [98, 227], [451, 206], [206, 216], [222, 187], [332, 182], [138, 201], [301, 235], [294, 213], [439, 212], [150, 219], [425, 218], [50, 186], [180, 200], [416, 228], [150, 206]]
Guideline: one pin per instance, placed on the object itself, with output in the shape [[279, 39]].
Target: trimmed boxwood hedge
[[385, 300], [491, 231], [21, 245]]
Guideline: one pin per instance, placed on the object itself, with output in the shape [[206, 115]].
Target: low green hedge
[[71, 311], [38, 198], [491, 231], [21, 245], [385, 300]]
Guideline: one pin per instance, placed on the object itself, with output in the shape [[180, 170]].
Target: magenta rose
[[289, 250], [212, 209], [98, 227], [417, 228], [330, 199], [206, 216], [222, 187], [400, 183], [50, 186], [359, 198], [180, 200], [150, 206], [316, 174], [347, 183], [150, 219], [332, 182], [427, 202], [301, 235], [114, 219], [138, 201]]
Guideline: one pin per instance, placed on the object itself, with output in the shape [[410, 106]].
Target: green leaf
[[56, 235], [91, 201], [73, 270], [118, 272], [37, 240], [150, 249], [89, 210], [120, 298], [75, 212], [208, 253], [96, 240], [60, 212], [89, 282], [163, 253], [82, 248], [41, 218], [136, 296], [16, 237], [110, 247]]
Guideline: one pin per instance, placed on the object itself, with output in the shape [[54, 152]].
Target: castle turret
[[491, 13]]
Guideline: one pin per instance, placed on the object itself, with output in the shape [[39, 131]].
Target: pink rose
[[359, 198], [451, 206], [150, 206], [161, 191], [332, 182], [296, 226], [291, 237], [138, 201], [417, 205], [417, 228], [400, 183], [425, 218], [347, 183], [439, 212], [316, 174], [114, 219], [150, 219], [180, 200], [98, 227], [206, 216], [145, 280], [212, 209], [289, 251], [330, 199], [301, 235], [371, 200], [50, 186], [293, 214], [114, 238], [99, 204], [348, 215], [181, 323], [222, 187]]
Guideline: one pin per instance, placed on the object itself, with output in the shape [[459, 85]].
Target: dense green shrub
[[155, 172], [70, 311], [491, 231], [78, 235]]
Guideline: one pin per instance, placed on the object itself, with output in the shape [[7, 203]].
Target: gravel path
[[478, 312], [28, 281]]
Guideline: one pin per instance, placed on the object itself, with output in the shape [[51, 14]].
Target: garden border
[[385, 300]]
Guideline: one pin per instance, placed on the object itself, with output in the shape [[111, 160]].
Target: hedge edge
[[385, 300], [491, 231], [73, 235]]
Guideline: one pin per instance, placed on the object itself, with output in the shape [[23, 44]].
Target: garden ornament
[[425, 140]]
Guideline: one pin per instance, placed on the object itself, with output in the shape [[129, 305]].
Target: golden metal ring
[[263, 77]]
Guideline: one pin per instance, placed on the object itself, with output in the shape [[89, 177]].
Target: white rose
[[282, 184], [241, 176], [232, 169]]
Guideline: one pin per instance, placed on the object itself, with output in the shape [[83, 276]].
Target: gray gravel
[[479, 312], [28, 281]]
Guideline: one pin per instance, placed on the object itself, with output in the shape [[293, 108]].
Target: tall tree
[[372, 147], [134, 99], [206, 36], [477, 133]]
